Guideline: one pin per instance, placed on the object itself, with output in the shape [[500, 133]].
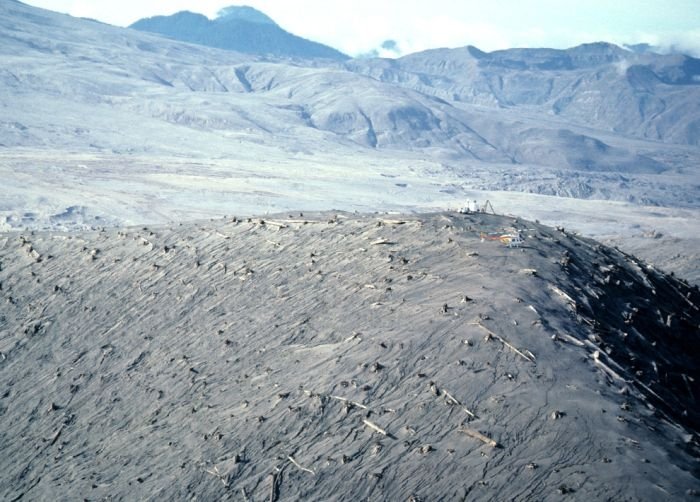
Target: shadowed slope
[[330, 356]]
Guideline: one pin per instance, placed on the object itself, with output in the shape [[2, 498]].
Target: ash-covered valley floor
[[337, 356]]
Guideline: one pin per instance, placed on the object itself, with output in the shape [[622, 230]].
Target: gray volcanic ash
[[339, 356]]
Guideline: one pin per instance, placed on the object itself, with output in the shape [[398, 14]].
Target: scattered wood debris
[[215, 472], [375, 427], [298, 466], [352, 403], [478, 435], [529, 356], [455, 401]]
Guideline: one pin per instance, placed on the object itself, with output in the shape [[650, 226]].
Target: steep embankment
[[330, 357]]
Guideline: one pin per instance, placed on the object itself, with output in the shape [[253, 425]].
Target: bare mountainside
[[337, 356], [600, 85], [108, 126], [70, 83]]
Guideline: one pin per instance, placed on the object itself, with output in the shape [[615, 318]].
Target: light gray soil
[[343, 357]]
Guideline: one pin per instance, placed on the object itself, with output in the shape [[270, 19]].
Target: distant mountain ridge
[[594, 121], [599, 85], [238, 28]]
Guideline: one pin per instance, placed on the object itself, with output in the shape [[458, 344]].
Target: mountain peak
[[597, 48], [238, 28], [244, 13]]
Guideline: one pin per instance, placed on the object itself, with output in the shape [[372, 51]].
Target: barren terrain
[[105, 126], [337, 356], [230, 276]]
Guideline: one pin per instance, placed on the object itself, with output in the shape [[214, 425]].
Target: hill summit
[[238, 28], [244, 13]]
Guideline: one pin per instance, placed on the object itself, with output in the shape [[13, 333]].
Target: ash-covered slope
[[241, 29], [600, 85], [75, 85], [331, 357]]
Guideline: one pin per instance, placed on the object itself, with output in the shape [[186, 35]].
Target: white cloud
[[688, 42], [622, 66]]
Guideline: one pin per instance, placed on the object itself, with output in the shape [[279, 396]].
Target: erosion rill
[[339, 356]]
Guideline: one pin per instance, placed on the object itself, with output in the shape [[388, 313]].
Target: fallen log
[[529, 357], [455, 401], [375, 428], [298, 466], [478, 435], [354, 403]]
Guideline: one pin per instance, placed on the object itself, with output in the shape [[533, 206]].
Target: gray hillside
[[644, 95], [133, 127], [342, 357]]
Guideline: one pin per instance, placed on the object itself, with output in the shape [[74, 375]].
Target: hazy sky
[[357, 26]]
